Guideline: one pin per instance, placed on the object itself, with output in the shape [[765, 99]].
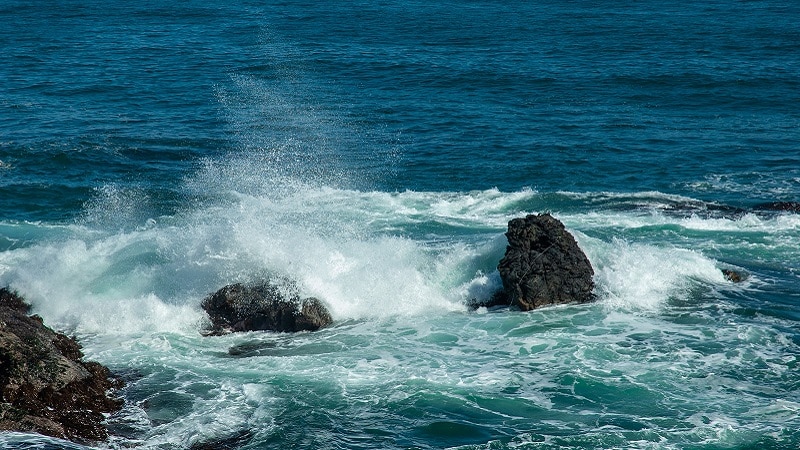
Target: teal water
[[374, 152]]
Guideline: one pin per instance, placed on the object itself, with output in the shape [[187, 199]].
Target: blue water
[[151, 153]]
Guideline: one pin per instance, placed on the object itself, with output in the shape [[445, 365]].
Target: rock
[[543, 265], [733, 276], [45, 387], [779, 206], [267, 306]]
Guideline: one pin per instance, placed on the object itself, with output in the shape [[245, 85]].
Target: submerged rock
[[231, 442], [45, 387], [265, 306], [543, 265]]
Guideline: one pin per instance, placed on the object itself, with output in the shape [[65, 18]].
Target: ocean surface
[[152, 152]]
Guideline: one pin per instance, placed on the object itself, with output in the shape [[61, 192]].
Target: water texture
[[152, 152]]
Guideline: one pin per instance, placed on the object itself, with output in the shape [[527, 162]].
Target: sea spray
[[406, 363], [344, 247], [645, 277], [154, 153]]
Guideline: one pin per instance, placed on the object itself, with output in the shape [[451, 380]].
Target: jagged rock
[[45, 387], [543, 265], [267, 306]]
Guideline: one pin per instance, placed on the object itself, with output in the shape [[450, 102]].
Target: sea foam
[[365, 254], [155, 278]]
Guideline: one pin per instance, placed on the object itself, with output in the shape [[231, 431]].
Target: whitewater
[[374, 152], [671, 355]]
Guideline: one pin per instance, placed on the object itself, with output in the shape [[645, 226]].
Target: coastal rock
[[45, 387], [266, 306], [733, 275], [543, 265], [778, 206]]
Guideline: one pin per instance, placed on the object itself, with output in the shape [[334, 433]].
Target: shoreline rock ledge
[[45, 387], [543, 265]]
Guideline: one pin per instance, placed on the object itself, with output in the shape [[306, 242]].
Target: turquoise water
[[374, 152]]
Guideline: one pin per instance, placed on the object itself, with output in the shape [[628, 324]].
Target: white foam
[[647, 196], [333, 242], [95, 286], [766, 184], [637, 220], [349, 248], [641, 276]]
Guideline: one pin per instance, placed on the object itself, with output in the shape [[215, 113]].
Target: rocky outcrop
[[45, 387], [266, 306], [543, 265]]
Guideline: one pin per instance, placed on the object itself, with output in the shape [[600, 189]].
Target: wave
[[366, 254]]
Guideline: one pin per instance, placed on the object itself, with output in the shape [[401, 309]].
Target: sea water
[[152, 152]]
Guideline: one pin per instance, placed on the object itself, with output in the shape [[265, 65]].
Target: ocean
[[374, 151]]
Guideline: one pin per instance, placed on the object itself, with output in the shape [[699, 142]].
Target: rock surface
[[543, 265], [266, 306], [45, 387]]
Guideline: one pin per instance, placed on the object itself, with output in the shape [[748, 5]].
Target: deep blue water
[[151, 152]]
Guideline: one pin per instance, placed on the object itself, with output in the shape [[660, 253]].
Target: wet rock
[[45, 387], [543, 265], [733, 276], [778, 206], [265, 306]]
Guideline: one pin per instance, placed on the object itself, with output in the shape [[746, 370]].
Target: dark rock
[[45, 387], [13, 302], [778, 206], [267, 306], [733, 276], [313, 315], [498, 300], [543, 265]]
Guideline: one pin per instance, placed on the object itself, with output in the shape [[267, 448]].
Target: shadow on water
[[268, 348], [291, 344], [230, 442]]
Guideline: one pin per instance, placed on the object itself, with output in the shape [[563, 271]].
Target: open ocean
[[152, 152]]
